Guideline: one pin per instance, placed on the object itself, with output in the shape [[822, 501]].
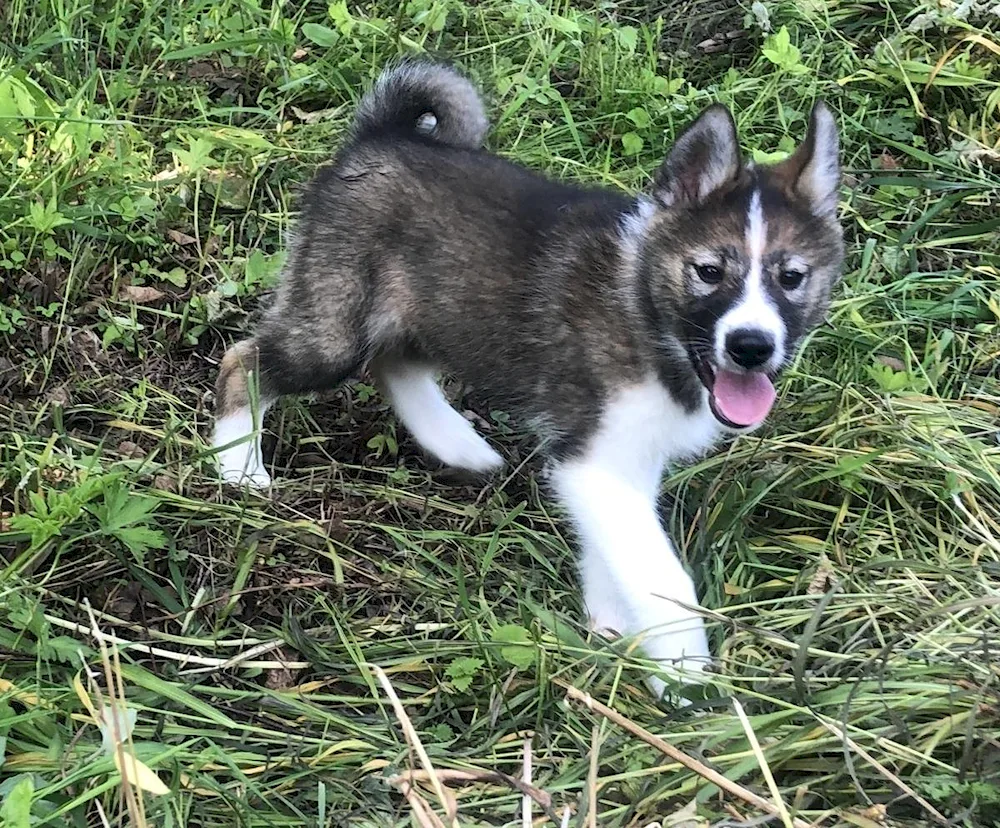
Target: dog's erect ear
[[705, 157], [812, 172]]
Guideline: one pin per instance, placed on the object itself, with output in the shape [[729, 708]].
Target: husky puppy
[[629, 333]]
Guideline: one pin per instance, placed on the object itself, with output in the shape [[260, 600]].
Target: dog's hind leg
[[241, 399], [420, 404], [252, 375]]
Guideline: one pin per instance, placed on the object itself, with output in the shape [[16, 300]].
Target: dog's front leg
[[633, 580]]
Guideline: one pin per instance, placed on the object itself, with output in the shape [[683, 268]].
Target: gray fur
[[432, 98], [705, 158]]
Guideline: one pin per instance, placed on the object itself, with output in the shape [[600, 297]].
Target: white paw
[[676, 639], [239, 456], [242, 466], [681, 651], [249, 478], [465, 449], [439, 428], [603, 627], [669, 689], [604, 616], [681, 662], [685, 646]]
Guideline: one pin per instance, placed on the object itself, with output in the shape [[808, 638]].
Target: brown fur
[[231, 389]]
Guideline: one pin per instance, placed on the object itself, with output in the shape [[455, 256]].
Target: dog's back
[[417, 243]]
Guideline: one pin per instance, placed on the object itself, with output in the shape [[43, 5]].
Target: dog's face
[[740, 260]]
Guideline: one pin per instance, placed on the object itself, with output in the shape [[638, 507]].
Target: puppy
[[629, 333]]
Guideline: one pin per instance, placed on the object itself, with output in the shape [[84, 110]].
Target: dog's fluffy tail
[[424, 98]]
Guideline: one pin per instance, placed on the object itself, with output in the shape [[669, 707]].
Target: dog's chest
[[643, 429]]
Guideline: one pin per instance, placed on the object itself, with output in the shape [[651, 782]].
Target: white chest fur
[[643, 430]]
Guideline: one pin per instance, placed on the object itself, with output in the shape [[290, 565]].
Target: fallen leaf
[[167, 174], [473, 417], [51, 474], [138, 774], [878, 812], [84, 696], [283, 678], [141, 295], [861, 821], [130, 449], [181, 238], [887, 161], [314, 117], [891, 362], [164, 483], [308, 687], [8, 687], [202, 69], [822, 579], [116, 726], [59, 396], [119, 602], [686, 817], [86, 342]]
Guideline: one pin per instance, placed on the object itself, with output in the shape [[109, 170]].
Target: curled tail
[[423, 98]]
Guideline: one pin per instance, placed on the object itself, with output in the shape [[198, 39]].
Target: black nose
[[749, 348]]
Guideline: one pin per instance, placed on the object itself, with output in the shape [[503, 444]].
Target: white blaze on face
[[744, 398], [755, 309]]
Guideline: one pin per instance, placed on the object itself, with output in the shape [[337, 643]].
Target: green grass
[[850, 552]]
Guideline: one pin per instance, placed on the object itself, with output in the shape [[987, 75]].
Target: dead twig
[[410, 732], [449, 775], [678, 756], [595, 749], [935, 814], [525, 799], [422, 812], [758, 753]]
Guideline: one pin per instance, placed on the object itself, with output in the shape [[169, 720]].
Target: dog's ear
[[705, 157], [812, 172]]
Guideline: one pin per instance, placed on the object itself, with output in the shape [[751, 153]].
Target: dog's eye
[[791, 279], [709, 274]]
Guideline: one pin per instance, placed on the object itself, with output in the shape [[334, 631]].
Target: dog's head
[[739, 260]]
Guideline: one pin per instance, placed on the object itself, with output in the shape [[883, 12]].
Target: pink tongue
[[743, 399]]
